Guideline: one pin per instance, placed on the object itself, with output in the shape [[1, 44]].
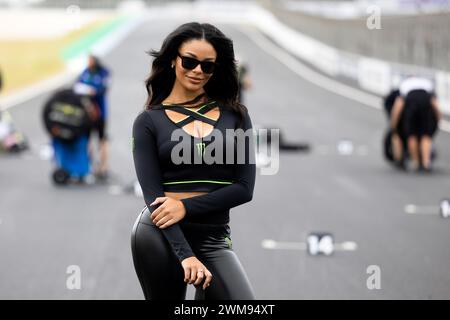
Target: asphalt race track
[[345, 188]]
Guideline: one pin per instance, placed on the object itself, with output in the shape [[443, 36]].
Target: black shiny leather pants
[[161, 274]]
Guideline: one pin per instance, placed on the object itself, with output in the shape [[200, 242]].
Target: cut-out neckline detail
[[192, 115]]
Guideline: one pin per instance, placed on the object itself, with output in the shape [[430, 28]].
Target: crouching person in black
[[415, 115]]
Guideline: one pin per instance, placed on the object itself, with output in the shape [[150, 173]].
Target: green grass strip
[[83, 44]]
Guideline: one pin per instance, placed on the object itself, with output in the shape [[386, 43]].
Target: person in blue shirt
[[97, 77]]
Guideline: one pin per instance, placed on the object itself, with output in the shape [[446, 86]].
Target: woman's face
[[195, 79]]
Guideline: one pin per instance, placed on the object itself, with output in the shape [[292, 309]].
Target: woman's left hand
[[168, 213]]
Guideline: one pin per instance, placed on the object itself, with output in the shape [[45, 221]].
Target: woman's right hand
[[195, 272]]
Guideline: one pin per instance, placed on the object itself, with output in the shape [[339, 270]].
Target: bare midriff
[[183, 195]]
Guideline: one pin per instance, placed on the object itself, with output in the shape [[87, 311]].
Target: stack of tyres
[[68, 117]]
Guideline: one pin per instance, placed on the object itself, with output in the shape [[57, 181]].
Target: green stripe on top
[[182, 119], [207, 104], [197, 112], [199, 181], [84, 44], [200, 115]]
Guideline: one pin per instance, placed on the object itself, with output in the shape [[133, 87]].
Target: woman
[[183, 235]]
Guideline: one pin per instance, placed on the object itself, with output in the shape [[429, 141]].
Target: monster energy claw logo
[[229, 242], [200, 148]]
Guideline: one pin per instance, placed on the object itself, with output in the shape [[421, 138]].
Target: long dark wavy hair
[[223, 86]]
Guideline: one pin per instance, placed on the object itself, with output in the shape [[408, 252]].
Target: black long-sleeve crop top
[[221, 163]]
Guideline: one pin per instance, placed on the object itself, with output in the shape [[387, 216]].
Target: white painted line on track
[[344, 150], [276, 245], [279, 245], [346, 246], [414, 209], [345, 147]]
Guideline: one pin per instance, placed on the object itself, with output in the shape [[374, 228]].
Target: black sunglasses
[[191, 63]]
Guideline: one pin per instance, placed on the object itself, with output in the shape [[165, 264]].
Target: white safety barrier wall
[[373, 75]]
